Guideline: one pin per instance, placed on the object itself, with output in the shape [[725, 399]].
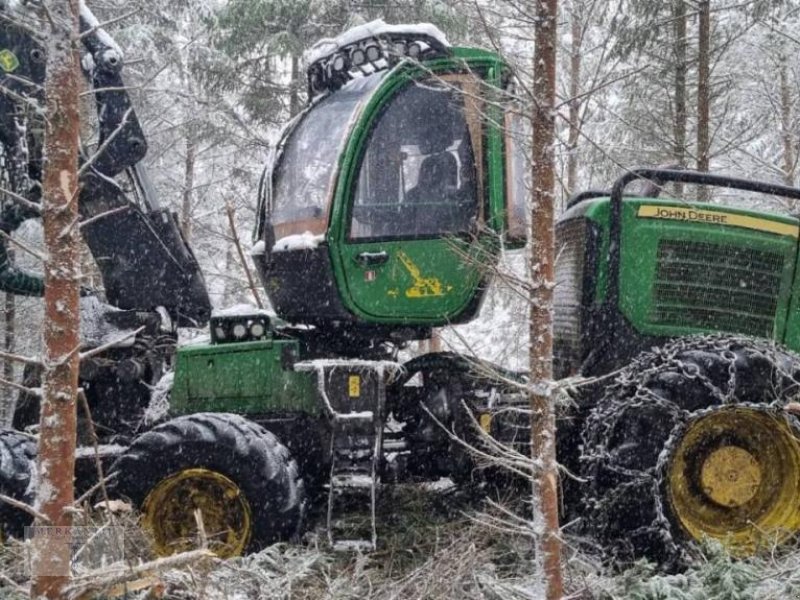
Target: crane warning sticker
[[423, 287], [8, 60], [714, 217]]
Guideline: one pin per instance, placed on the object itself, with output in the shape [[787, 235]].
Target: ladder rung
[[364, 415], [353, 481]]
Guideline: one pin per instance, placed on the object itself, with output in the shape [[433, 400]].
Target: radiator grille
[[716, 287], [568, 293]]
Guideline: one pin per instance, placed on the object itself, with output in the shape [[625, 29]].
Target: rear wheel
[[17, 479], [692, 441], [239, 477]]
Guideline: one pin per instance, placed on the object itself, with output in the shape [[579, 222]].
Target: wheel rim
[[735, 476], [168, 513]]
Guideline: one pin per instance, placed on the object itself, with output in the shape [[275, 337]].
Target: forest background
[[213, 82]]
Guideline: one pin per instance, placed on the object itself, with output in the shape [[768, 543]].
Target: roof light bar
[[369, 48]]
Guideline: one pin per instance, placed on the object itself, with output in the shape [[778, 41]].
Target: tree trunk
[[51, 566], [9, 343], [294, 93], [787, 135], [703, 94], [679, 122], [576, 44], [188, 186], [543, 428]]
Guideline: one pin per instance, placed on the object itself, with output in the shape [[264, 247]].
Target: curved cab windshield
[[420, 175], [305, 173]]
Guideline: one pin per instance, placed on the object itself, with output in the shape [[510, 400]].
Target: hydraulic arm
[[139, 248]]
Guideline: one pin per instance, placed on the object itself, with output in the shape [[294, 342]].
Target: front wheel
[[239, 477], [692, 441]]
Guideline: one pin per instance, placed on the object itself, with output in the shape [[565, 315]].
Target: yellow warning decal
[[8, 60], [423, 286], [354, 386], [714, 217]]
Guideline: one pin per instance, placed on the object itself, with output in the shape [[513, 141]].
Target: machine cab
[[390, 190]]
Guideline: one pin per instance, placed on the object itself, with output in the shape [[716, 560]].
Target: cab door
[[415, 203]]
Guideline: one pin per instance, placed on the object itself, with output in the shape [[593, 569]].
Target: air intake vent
[[716, 287], [568, 294]]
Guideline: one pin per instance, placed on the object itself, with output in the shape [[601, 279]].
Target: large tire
[[222, 463], [672, 416], [17, 479]]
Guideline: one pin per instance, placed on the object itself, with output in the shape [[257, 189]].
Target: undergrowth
[[439, 545]]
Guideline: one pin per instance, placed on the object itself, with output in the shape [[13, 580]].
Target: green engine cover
[[245, 378], [684, 269]]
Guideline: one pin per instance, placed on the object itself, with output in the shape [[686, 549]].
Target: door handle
[[372, 259]]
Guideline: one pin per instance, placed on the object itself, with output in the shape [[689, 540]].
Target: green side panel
[[683, 277], [242, 378], [791, 337], [424, 281], [495, 160]]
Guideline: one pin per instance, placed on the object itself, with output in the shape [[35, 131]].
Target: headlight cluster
[[362, 55], [239, 328]]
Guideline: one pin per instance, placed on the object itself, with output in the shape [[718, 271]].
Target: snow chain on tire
[[632, 432]]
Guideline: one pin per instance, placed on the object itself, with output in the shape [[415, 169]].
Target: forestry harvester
[[380, 215]]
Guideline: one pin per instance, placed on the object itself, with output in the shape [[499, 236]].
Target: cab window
[[305, 173], [422, 170]]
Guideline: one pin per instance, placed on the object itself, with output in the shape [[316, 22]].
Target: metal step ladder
[[354, 395]]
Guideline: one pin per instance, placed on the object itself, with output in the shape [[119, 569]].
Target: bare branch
[[93, 158], [19, 387], [103, 215], [108, 22], [21, 359], [232, 223], [33, 206], [111, 344], [20, 245], [25, 507]]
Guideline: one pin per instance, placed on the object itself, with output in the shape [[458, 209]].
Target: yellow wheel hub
[[730, 476], [168, 513], [735, 476]]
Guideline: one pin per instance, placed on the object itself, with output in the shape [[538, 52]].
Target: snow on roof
[[298, 241], [376, 28], [239, 310], [259, 248]]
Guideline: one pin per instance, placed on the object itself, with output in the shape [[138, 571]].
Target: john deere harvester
[[695, 436], [377, 216], [384, 204]]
